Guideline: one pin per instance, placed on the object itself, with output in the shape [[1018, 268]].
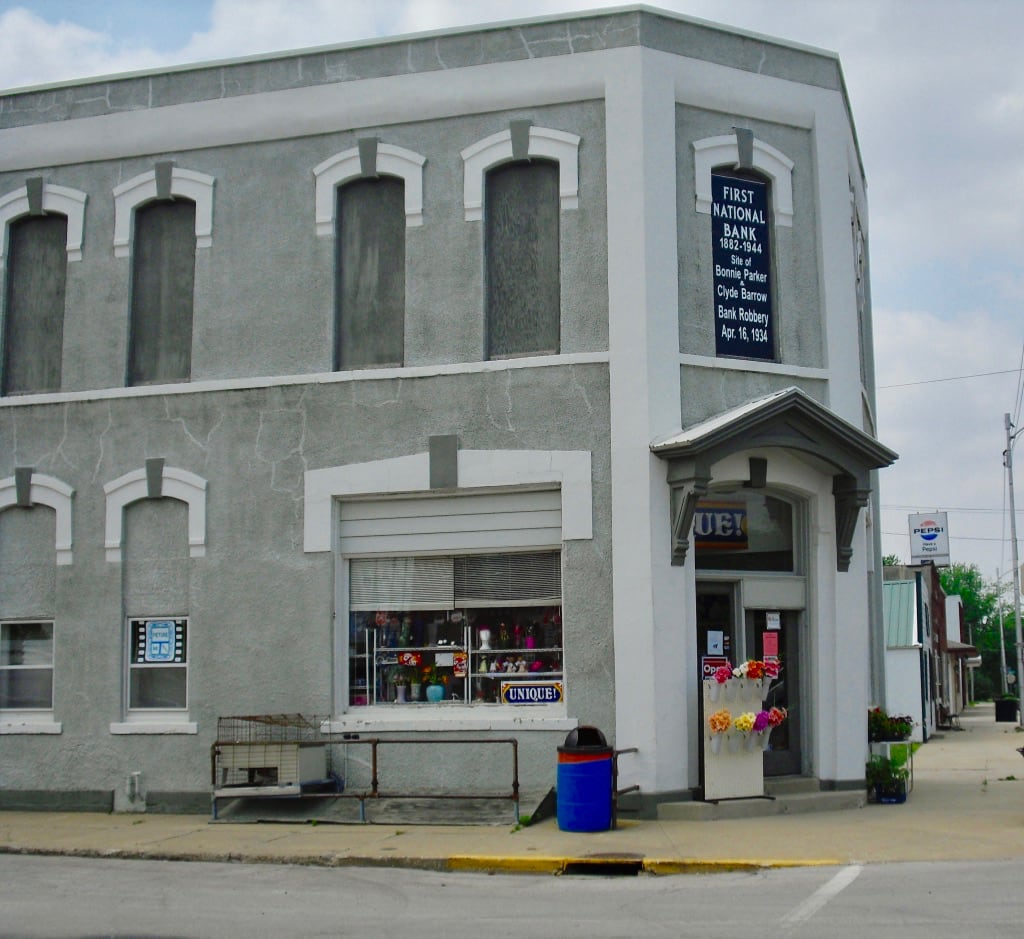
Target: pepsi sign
[[929, 538]]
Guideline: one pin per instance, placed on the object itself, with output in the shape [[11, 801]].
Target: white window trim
[[544, 142], [477, 469], [495, 717], [724, 151], [339, 169], [141, 189], [29, 722], [46, 490], [57, 199], [177, 484], [570, 469], [144, 724], [153, 720]]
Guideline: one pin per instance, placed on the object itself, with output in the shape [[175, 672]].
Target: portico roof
[[789, 419]]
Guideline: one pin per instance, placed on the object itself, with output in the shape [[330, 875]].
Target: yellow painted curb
[[542, 864], [511, 865], [724, 865]]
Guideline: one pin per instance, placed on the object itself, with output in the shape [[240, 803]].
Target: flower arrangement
[[720, 721], [744, 722], [432, 676], [752, 669], [776, 716], [884, 727], [722, 674], [757, 668]]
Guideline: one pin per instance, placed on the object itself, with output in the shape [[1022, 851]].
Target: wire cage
[[271, 751]]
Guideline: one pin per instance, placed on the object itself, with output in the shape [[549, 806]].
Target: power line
[[903, 534], [932, 381], [948, 508]]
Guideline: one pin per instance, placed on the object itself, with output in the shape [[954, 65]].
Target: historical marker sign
[[741, 255]]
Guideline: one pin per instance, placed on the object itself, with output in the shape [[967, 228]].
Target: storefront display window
[[483, 629], [744, 531]]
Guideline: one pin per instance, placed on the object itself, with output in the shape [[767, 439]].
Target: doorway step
[[785, 795]]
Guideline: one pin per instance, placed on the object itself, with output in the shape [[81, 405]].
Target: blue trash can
[[584, 784]]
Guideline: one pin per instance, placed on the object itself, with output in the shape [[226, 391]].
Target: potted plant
[[434, 680], [886, 780], [400, 679], [886, 728]]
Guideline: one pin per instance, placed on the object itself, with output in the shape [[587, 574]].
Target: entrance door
[[775, 634], [716, 625]]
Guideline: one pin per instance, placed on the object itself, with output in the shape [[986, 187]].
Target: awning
[[960, 648], [788, 419]]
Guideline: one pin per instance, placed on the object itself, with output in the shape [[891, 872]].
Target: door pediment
[[790, 420]]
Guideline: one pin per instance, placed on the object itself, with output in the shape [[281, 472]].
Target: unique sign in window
[[741, 256], [473, 629]]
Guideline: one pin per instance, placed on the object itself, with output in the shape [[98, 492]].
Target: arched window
[[521, 250], [365, 198], [34, 304], [41, 228], [370, 273], [518, 181], [163, 283]]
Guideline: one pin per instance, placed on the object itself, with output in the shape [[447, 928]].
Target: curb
[[554, 865], [625, 864]]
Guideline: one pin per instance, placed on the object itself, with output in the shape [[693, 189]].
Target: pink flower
[[761, 721], [723, 674], [772, 669]]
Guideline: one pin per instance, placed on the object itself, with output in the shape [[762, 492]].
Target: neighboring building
[[556, 329], [960, 659], [926, 660]]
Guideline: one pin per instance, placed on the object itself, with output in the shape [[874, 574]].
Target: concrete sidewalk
[[967, 803]]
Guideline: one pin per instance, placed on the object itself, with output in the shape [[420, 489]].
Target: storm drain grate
[[616, 866]]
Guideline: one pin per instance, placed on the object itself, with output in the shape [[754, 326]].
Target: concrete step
[[791, 804], [790, 785]]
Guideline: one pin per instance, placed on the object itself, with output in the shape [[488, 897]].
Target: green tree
[[979, 598], [891, 560]]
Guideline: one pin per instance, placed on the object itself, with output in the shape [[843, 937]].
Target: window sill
[[421, 717], [142, 727], [16, 724]]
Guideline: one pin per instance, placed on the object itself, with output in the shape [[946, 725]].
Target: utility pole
[[1002, 638], [1016, 569]]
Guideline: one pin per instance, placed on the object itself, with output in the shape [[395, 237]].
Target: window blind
[[416, 583]]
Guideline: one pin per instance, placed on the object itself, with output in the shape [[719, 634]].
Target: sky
[[937, 93]]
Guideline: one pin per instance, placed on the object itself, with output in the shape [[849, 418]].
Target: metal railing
[[283, 730]]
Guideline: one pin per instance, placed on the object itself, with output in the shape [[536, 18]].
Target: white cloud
[[33, 51]]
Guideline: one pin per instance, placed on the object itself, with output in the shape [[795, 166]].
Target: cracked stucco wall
[[260, 608]]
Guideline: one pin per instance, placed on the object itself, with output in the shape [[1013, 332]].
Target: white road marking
[[822, 895]]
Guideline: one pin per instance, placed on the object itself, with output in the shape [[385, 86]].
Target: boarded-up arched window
[[163, 284], [34, 317], [370, 273], [521, 247]]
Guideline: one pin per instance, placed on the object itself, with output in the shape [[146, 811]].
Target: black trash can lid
[[584, 738]]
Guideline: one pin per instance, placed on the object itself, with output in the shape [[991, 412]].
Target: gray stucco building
[[536, 356]]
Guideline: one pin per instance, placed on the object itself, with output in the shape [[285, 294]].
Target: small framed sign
[[531, 692]]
